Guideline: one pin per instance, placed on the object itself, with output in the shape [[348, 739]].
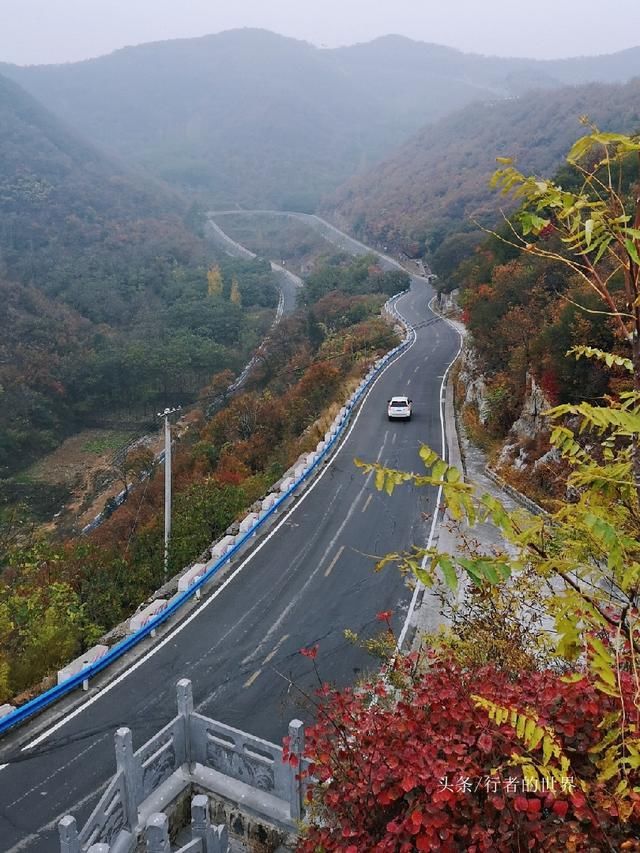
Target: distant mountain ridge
[[438, 182], [253, 118]]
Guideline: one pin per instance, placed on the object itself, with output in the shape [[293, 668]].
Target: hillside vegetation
[[57, 598], [254, 118], [107, 303], [517, 725], [439, 181]]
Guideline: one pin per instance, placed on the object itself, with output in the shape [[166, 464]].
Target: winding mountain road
[[306, 581]]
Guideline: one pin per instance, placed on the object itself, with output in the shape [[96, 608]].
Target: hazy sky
[[35, 31]]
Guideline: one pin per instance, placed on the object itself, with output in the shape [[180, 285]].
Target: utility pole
[[167, 483]]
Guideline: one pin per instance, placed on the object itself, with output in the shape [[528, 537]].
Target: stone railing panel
[[109, 818], [161, 756], [240, 756]]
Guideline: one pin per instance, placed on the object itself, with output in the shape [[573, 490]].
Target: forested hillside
[[526, 311], [105, 289], [254, 118], [439, 181], [59, 597]]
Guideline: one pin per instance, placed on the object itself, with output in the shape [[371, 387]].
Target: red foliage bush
[[430, 771], [551, 386]]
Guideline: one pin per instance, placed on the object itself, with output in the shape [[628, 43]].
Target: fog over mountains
[[437, 183], [252, 118]]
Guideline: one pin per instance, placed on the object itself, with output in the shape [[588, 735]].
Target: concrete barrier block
[[286, 484], [248, 521], [6, 709], [269, 501], [321, 446], [221, 547], [86, 659], [191, 576], [140, 619], [300, 470]]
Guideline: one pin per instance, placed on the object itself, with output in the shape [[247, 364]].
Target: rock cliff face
[[531, 421], [474, 384], [525, 457]]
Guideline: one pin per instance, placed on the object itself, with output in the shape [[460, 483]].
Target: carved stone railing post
[[296, 787], [126, 761], [69, 839], [200, 823], [214, 839], [157, 834], [185, 709]]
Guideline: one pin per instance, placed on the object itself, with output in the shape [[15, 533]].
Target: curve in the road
[[303, 585]]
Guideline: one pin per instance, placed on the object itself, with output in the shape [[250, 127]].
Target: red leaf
[[416, 817], [408, 783], [560, 807], [485, 742], [311, 652], [521, 804]]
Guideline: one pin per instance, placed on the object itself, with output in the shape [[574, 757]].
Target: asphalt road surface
[[303, 584]]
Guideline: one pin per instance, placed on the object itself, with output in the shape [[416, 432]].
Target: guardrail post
[[296, 747], [125, 761], [157, 834], [184, 692], [68, 831]]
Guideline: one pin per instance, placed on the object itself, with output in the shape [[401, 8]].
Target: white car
[[399, 408]]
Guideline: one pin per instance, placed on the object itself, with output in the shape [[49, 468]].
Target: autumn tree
[[133, 462], [235, 295], [214, 281], [585, 561]]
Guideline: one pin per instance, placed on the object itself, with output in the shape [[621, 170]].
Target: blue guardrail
[[34, 706]]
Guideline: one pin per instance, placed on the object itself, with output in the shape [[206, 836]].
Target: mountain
[[244, 116], [438, 182], [253, 118], [103, 288], [73, 220]]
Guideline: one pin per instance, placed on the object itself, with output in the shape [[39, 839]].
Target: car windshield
[[398, 404]]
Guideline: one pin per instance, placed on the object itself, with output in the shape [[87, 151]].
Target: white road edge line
[[419, 586], [180, 627]]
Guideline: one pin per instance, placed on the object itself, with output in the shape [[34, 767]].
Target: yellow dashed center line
[[252, 678], [334, 561], [273, 653]]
